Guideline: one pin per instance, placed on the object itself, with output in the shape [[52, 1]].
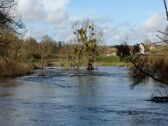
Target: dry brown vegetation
[[159, 61], [10, 68], [154, 65]]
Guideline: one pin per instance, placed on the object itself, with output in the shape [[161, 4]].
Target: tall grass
[[160, 63], [154, 64], [11, 68]]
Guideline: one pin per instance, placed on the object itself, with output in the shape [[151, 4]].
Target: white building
[[141, 48]]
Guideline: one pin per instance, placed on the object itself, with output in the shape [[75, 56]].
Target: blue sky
[[131, 20], [134, 11]]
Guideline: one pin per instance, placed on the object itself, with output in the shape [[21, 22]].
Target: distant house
[[141, 48], [145, 48], [111, 52]]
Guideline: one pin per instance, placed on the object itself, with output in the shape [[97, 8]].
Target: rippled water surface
[[71, 98]]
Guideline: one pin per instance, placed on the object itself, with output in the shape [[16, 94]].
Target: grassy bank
[[11, 68], [109, 61], [110, 64], [100, 61]]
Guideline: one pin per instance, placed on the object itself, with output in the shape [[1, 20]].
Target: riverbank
[[100, 61], [110, 61], [110, 64], [12, 68], [153, 65]]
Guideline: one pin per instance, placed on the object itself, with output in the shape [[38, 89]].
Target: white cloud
[[45, 11], [58, 17], [153, 24], [53, 15], [52, 5], [114, 34]]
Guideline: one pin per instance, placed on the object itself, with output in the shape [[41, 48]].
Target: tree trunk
[[42, 62], [90, 66]]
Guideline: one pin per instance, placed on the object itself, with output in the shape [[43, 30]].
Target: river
[[79, 98]]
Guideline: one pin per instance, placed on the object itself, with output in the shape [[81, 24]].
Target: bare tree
[[10, 22], [12, 46], [45, 49], [30, 49], [88, 36], [9, 19]]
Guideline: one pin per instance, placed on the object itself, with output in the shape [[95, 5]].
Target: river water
[[79, 98]]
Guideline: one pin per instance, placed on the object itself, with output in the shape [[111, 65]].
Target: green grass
[[110, 64], [100, 61], [110, 59]]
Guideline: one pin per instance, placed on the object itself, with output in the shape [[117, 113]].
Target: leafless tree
[[9, 18], [45, 49]]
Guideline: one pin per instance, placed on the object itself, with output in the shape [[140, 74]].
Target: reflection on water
[[79, 98], [5, 94]]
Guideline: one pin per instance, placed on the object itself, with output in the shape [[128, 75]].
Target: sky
[[120, 20]]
